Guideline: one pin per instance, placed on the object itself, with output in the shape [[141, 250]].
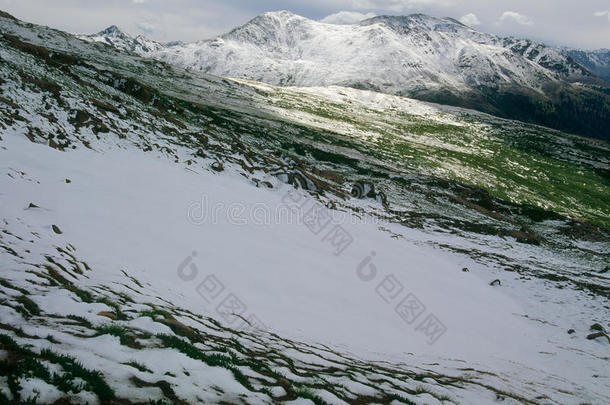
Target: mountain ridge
[[428, 58], [117, 38], [597, 61]]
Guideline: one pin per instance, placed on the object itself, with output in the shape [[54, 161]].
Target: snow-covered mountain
[[116, 38], [419, 56], [597, 61], [169, 236], [414, 54]]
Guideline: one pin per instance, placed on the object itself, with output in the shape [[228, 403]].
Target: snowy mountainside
[[394, 54], [127, 183], [116, 38], [428, 58], [597, 61]]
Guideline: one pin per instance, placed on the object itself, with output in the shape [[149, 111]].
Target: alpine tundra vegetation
[[395, 217]]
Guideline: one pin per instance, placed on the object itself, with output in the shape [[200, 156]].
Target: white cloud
[[470, 19], [147, 27], [604, 13], [513, 16], [346, 17], [397, 6]]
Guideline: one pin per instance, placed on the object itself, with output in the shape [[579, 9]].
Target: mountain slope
[[116, 38], [115, 169], [597, 61], [394, 54], [419, 56]]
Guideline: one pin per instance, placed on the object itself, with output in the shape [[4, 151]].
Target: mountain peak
[[270, 28], [280, 15], [115, 37], [112, 31], [415, 22], [419, 17]]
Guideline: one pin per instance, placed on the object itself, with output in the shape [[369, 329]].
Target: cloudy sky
[[584, 23]]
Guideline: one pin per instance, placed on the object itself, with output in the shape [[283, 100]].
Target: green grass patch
[[126, 337], [309, 394], [29, 305], [153, 313], [80, 320], [7, 284], [138, 366], [27, 364], [213, 360], [116, 308]]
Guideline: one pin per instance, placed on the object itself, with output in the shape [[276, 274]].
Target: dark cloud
[[557, 22]]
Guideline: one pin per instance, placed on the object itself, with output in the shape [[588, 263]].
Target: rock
[[68, 181], [102, 106], [525, 235], [465, 270], [108, 315], [30, 138], [217, 166], [383, 199], [570, 331], [54, 144], [598, 327], [362, 190], [495, 282], [596, 335], [329, 175], [32, 205], [56, 229], [178, 327]]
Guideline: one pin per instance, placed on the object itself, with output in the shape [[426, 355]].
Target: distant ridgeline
[[578, 109], [433, 59]]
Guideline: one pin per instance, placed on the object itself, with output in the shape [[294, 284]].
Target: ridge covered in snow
[[419, 56], [597, 61], [115, 37], [396, 54]]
